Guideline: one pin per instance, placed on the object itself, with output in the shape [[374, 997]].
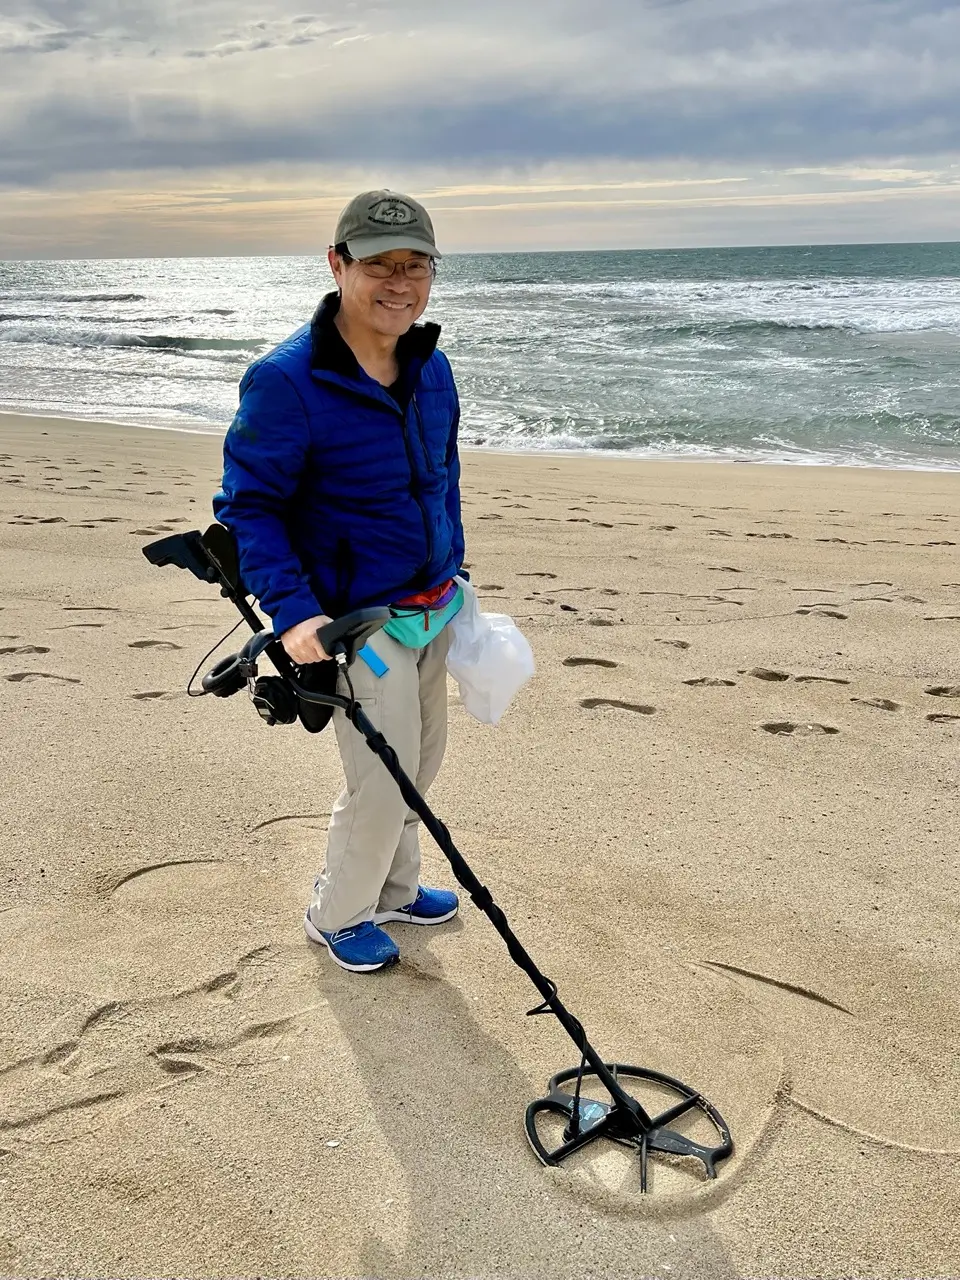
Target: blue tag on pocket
[[373, 661]]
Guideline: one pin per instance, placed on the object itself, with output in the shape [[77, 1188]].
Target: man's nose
[[398, 281]]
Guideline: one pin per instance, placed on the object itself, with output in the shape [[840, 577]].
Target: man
[[341, 485]]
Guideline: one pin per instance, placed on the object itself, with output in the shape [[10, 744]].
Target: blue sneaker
[[360, 948], [432, 906]]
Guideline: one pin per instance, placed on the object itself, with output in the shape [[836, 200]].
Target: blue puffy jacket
[[337, 496]]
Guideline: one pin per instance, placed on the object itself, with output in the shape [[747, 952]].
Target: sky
[[199, 127]]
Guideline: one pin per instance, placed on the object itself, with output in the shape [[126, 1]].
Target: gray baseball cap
[[378, 221]]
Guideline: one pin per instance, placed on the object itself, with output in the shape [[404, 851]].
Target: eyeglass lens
[[383, 268]]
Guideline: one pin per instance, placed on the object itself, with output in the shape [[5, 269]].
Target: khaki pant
[[373, 849]]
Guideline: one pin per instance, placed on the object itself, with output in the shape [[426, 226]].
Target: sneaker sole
[[404, 917], [314, 934]]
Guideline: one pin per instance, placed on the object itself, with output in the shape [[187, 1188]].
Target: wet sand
[[723, 817]]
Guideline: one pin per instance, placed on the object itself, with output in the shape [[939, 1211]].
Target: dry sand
[[188, 1088]]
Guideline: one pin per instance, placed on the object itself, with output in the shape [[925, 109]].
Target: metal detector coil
[[621, 1118]]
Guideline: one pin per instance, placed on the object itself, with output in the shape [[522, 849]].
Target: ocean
[[844, 355]]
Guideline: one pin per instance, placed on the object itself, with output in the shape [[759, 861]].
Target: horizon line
[[519, 253]]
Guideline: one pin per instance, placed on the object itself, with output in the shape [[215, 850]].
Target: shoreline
[[611, 455]]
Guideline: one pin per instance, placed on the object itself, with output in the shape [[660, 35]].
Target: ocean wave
[[46, 336], [734, 328], [746, 327], [165, 342], [99, 297]]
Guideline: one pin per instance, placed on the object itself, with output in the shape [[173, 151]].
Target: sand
[[723, 817]]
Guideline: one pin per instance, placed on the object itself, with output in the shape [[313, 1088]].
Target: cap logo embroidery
[[392, 213]]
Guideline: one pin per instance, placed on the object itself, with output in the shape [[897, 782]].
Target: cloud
[[273, 34], [34, 37], [835, 92], [67, 133]]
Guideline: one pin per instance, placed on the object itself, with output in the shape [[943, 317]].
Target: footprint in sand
[[801, 730], [591, 703], [588, 662], [941, 717], [27, 676], [820, 612], [883, 704], [153, 694], [944, 691], [821, 679], [765, 673], [26, 648], [710, 681], [675, 644], [153, 644]]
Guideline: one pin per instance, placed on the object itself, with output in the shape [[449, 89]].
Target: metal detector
[[620, 1118]]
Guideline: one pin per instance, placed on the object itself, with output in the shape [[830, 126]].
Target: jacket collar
[[329, 351]]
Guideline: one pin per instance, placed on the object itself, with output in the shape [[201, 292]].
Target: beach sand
[[723, 818]]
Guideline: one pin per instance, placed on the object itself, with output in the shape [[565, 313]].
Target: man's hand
[[301, 643]]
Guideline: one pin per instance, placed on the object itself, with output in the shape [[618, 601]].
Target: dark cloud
[[63, 137]]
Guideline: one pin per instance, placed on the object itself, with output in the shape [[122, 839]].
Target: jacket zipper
[[414, 486], [423, 442]]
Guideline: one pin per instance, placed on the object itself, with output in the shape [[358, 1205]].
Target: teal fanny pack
[[417, 627]]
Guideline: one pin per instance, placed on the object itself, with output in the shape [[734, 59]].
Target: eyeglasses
[[384, 268]]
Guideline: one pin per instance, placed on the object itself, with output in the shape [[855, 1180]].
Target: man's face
[[389, 307]]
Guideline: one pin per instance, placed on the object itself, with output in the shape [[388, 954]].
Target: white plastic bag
[[489, 658]]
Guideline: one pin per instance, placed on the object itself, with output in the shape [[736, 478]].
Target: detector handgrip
[[348, 635]]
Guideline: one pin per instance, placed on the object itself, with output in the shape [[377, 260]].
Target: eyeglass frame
[[346, 256]]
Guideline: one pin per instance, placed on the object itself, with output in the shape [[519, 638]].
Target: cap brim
[[368, 246]]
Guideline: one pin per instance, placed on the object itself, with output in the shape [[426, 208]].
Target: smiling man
[[341, 484]]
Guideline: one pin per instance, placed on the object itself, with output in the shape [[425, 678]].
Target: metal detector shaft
[[277, 654], [483, 899]]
